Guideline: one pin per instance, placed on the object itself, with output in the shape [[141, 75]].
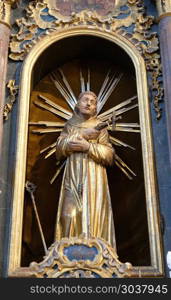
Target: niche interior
[[128, 196], [131, 199]]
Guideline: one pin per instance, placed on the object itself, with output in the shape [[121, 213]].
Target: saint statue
[[85, 206]]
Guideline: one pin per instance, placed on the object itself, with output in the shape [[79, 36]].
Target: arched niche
[[143, 236]]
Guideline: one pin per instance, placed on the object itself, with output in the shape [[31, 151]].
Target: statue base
[[80, 258]]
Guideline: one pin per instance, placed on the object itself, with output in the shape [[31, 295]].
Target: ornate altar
[[65, 48]]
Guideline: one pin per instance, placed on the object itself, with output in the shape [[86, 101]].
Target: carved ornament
[[128, 20], [95, 259], [13, 91]]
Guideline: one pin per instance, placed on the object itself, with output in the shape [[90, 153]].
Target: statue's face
[[87, 105]]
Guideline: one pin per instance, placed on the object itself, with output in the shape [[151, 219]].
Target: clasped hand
[[78, 144]]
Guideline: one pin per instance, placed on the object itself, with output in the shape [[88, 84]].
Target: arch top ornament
[[41, 19], [128, 20]]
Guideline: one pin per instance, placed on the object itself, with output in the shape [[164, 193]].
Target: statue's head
[[87, 104]]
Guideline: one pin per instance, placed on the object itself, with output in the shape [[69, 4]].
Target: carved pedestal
[[78, 258]]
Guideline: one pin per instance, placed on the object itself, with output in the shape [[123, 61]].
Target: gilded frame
[[156, 268]]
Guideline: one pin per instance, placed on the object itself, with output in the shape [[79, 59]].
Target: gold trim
[[5, 13], [164, 15], [146, 136], [36, 18]]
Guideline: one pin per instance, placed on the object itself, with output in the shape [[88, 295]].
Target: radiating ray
[[123, 170], [59, 86], [121, 162], [123, 110], [119, 143], [48, 147], [127, 130], [82, 82], [103, 85], [125, 127], [108, 91], [54, 105], [62, 90], [47, 124], [57, 172], [52, 110], [118, 106], [88, 81], [106, 86], [52, 151], [67, 85], [42, 131], [118, 112], [115, 142]]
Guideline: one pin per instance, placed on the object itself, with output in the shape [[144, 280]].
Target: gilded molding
[[146, 42], [5, 11], [13, 91], [37, 13]]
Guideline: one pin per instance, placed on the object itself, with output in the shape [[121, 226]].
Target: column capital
[[5, 10], [13, 3], [163, 7]]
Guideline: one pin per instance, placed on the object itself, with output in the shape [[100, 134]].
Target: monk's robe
[[85, 205]]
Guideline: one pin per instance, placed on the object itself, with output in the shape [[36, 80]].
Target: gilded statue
[[85, 205]]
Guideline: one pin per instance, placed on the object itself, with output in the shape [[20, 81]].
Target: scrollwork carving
[[41, 20], [13, 90], [59, 263]]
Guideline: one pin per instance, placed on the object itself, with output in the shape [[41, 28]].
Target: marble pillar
[[164, 12], [4, 40], [5, 12], [164, 21]]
